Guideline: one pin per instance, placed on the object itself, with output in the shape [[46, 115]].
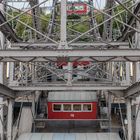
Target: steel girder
[[17, 53], [132, 20], [8, 31], [127, 92], [6, 92], [35, 15], [107, 34], [31, 52], [60, 87], [87, 44], [133, 90]]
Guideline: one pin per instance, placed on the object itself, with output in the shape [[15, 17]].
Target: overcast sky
[[97, 3]]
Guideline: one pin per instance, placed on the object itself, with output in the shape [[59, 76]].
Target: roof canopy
[[72, 96], [69, 136]]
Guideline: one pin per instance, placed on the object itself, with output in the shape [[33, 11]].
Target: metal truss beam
[[22, 13], [107, 34], [117, 93], [7, 30], [5, 91], [72, 53], [94, 44], [111, 17], [126, 31], [132, 91], [28, 44], [36, 20], [67, 88]]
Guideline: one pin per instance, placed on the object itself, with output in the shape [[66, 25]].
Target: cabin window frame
[[77, 104], [57, 110], [72, 107], [67, 110], [87, 110]]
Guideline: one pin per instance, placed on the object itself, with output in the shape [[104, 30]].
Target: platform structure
[[72, 136], [104, 57]]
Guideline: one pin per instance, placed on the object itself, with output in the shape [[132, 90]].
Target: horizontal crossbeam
[[71, 53], [67, 88], [99, 55], [94, 44]]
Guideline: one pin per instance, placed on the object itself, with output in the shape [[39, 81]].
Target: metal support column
[[107, 34], [137, 121], [69, 73], [10, 120], [1, 119], [33, 104], [127, 73], [33, 111], [2, 40], [11, 73], [129, 118], [63, 31], [109, 110], [137, 36], [33, 72], [137, 45], [137, 71], [110, 68], [134, 72]]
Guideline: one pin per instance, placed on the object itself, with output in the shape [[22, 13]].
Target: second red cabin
[[77, 8], [72, 105]]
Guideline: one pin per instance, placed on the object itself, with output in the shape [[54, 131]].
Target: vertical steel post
[[109, 110], [63, 30], [1, 119], [137, 71], [137, 35], [2, 42], [107, 34], [129, 127], [127, 73], [10, 120], [110, 67], [33, 104], [33, 72], [1, 102], [69, 73], [137, 40], [33, 111], [11, 73], [137, 117], [63, 36]]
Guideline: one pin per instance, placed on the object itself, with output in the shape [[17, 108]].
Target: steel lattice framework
[[48, 55], [41, 52]]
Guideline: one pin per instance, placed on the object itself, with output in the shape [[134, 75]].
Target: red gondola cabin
[[77, 8], [72, 105]]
